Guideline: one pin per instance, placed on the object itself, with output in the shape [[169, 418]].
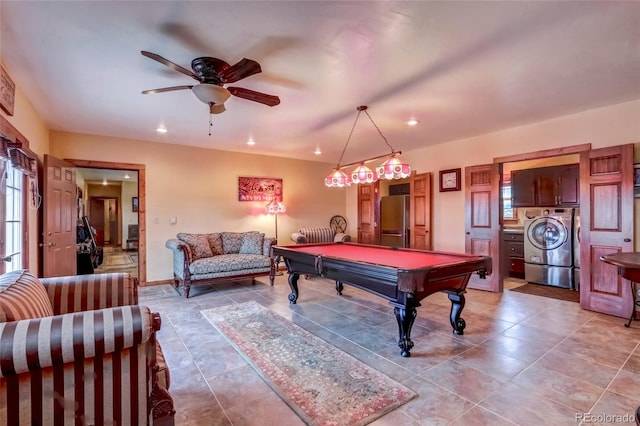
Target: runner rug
[[322, 384]]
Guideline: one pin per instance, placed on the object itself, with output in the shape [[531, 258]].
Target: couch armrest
[[299, 238], [34, 344], [86, 292], [181, 257], [341, 237], [267, 248]]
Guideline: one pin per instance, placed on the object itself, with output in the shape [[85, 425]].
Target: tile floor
[[523, 359]]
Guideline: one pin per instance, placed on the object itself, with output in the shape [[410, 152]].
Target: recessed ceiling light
[[126, 176], [251, 142], [161, 130], [412, 122], [104, 181], [317, 151]]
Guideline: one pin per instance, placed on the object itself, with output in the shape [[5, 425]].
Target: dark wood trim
[[11, 133], [142, 220], [535, 155]]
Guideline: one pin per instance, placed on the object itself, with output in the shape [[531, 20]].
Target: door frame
[[534, 155], [142, 220]]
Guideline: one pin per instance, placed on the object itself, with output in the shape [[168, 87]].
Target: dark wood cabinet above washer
[[546, 186]]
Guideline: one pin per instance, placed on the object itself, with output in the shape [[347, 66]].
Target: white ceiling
[[460, 68]]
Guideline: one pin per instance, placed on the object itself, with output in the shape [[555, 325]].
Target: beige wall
[[200, 188], [28, 122], [614, 125]]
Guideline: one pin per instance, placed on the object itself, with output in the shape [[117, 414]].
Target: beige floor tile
[[522, 360], [462, 380]]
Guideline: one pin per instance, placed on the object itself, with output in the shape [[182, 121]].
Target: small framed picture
[[134, 204], [450, 180]]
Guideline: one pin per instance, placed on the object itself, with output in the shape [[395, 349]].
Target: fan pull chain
[[210, 123]]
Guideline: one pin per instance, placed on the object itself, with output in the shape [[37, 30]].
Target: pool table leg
[[339, 287], [405, 315], [293, 284], [457, 303]]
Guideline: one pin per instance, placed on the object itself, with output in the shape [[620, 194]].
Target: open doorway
[[113, 196]]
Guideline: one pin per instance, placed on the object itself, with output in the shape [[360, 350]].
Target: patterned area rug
[[322, 384], [118, 259]]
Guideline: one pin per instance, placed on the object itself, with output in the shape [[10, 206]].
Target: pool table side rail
[[382, 279]]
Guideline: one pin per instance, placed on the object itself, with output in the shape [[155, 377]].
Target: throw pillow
[[215, 242], [232, 241], [198, 243], [252, 243], [23, 296]]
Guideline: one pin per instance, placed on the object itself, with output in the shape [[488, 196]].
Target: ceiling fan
[[212, 74]]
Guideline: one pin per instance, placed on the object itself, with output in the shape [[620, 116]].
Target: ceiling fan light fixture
[[211, 94], [216, 109]]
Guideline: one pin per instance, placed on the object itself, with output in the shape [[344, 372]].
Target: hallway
[[118, 260]]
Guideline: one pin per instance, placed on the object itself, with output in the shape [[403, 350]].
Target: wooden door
[[607, 183], [60, 212], [96, 218], [421, 196], [482, 227], [368, 200]]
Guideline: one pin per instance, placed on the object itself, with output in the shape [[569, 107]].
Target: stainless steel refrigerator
[[394, 221]]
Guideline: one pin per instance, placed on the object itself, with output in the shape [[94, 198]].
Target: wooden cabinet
[[546, 186], [514, 253], [523, 188]]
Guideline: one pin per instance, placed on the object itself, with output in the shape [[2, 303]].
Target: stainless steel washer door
[[547, 233]]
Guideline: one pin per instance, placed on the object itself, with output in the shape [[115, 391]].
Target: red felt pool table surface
[[404, 259]]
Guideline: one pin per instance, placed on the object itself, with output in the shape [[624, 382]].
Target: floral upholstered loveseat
[[80, 350], [221, 256]]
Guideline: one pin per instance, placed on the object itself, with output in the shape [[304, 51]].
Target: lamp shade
[[210, 93], [275, 206], [393, 168], [363, 174], [337, 179]]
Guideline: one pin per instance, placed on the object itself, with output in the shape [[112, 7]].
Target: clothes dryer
[[548, 244]]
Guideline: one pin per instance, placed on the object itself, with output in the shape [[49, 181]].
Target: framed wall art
[[259, 188], [134, 204]]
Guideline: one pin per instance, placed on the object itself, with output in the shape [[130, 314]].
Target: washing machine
[[548, 247]]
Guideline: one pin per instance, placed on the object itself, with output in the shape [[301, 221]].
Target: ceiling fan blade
[[170, 64], [243, 69], [252, 95], [166, 89]]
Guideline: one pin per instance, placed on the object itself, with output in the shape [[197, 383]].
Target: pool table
[[402, 276]]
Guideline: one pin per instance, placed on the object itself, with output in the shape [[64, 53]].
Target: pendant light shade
[[392, 168], [363, 174], [337, 179]]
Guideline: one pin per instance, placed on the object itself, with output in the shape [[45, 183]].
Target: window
[[15, 244], [508, 212]]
